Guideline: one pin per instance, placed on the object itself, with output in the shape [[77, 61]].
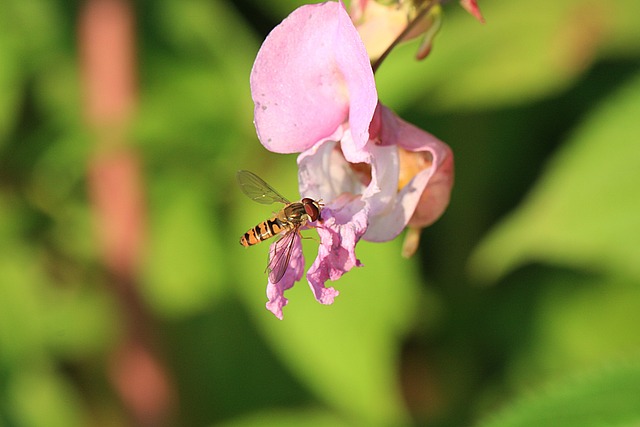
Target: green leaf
[[526, 50], [20, 304], [288, 418], [81, 321], [622, 26], [10, 86], [583, 212], [609, 398], [22, 323], [580, 322], [184, 268], [41, 398]]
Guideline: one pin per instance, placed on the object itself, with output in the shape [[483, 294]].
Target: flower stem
[[404, 33]]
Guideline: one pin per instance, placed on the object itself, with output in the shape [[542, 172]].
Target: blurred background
[[126, 300]]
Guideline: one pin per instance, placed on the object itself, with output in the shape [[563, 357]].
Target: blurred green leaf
[[21, 320], [57, 174], [36, 28], [184, 268], [526, 50], [30, 41], [288, 418], [580, 322], [10, 87], [42, 398], [622, 28], [583, 212], [80, 322], [609, 398], [57, 91], [35, 314], [200, 89], [188, 105], [22, 327]]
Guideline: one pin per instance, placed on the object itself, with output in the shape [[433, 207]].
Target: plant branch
[[403, 34]]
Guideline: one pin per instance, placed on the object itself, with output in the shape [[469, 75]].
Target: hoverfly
[[287, 221]]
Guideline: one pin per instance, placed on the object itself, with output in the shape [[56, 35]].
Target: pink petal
[[344, 223], [382, 191], [275, 291], [395, 131], [311, 74], [471, 6], [324, 173], [435, 198]]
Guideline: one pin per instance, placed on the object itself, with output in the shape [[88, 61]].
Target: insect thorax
[[296, 213]]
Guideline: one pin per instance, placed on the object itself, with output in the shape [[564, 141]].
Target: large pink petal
[[311, 74]]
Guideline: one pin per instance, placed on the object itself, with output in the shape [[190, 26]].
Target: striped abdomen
[[264, 231]]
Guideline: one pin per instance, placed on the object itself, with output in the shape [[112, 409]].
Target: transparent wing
[[282, 255], [258, 190]]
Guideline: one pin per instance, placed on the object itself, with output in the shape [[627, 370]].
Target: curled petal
[[400, 210], [435, 197], [311, 75], [275, 291], [344, 223]]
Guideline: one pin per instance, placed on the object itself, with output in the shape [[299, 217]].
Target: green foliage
[[310, 418], [608, 398], [583, 211], [183, 273], [525, 51], [540, 106]]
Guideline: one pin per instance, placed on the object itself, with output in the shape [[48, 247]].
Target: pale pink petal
[[353, 61], [352, 151], [382, 190], [311, 75], [275, 291], [388, 224], [323, 173], [344, 223]]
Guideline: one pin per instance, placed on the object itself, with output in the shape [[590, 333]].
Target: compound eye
[[311, 208]]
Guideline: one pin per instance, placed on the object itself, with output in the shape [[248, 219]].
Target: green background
[[522, 307]]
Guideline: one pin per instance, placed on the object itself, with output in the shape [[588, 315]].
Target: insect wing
[[258, 190], [282, 255]]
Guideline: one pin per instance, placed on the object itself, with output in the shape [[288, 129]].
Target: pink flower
[[315, 94]]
